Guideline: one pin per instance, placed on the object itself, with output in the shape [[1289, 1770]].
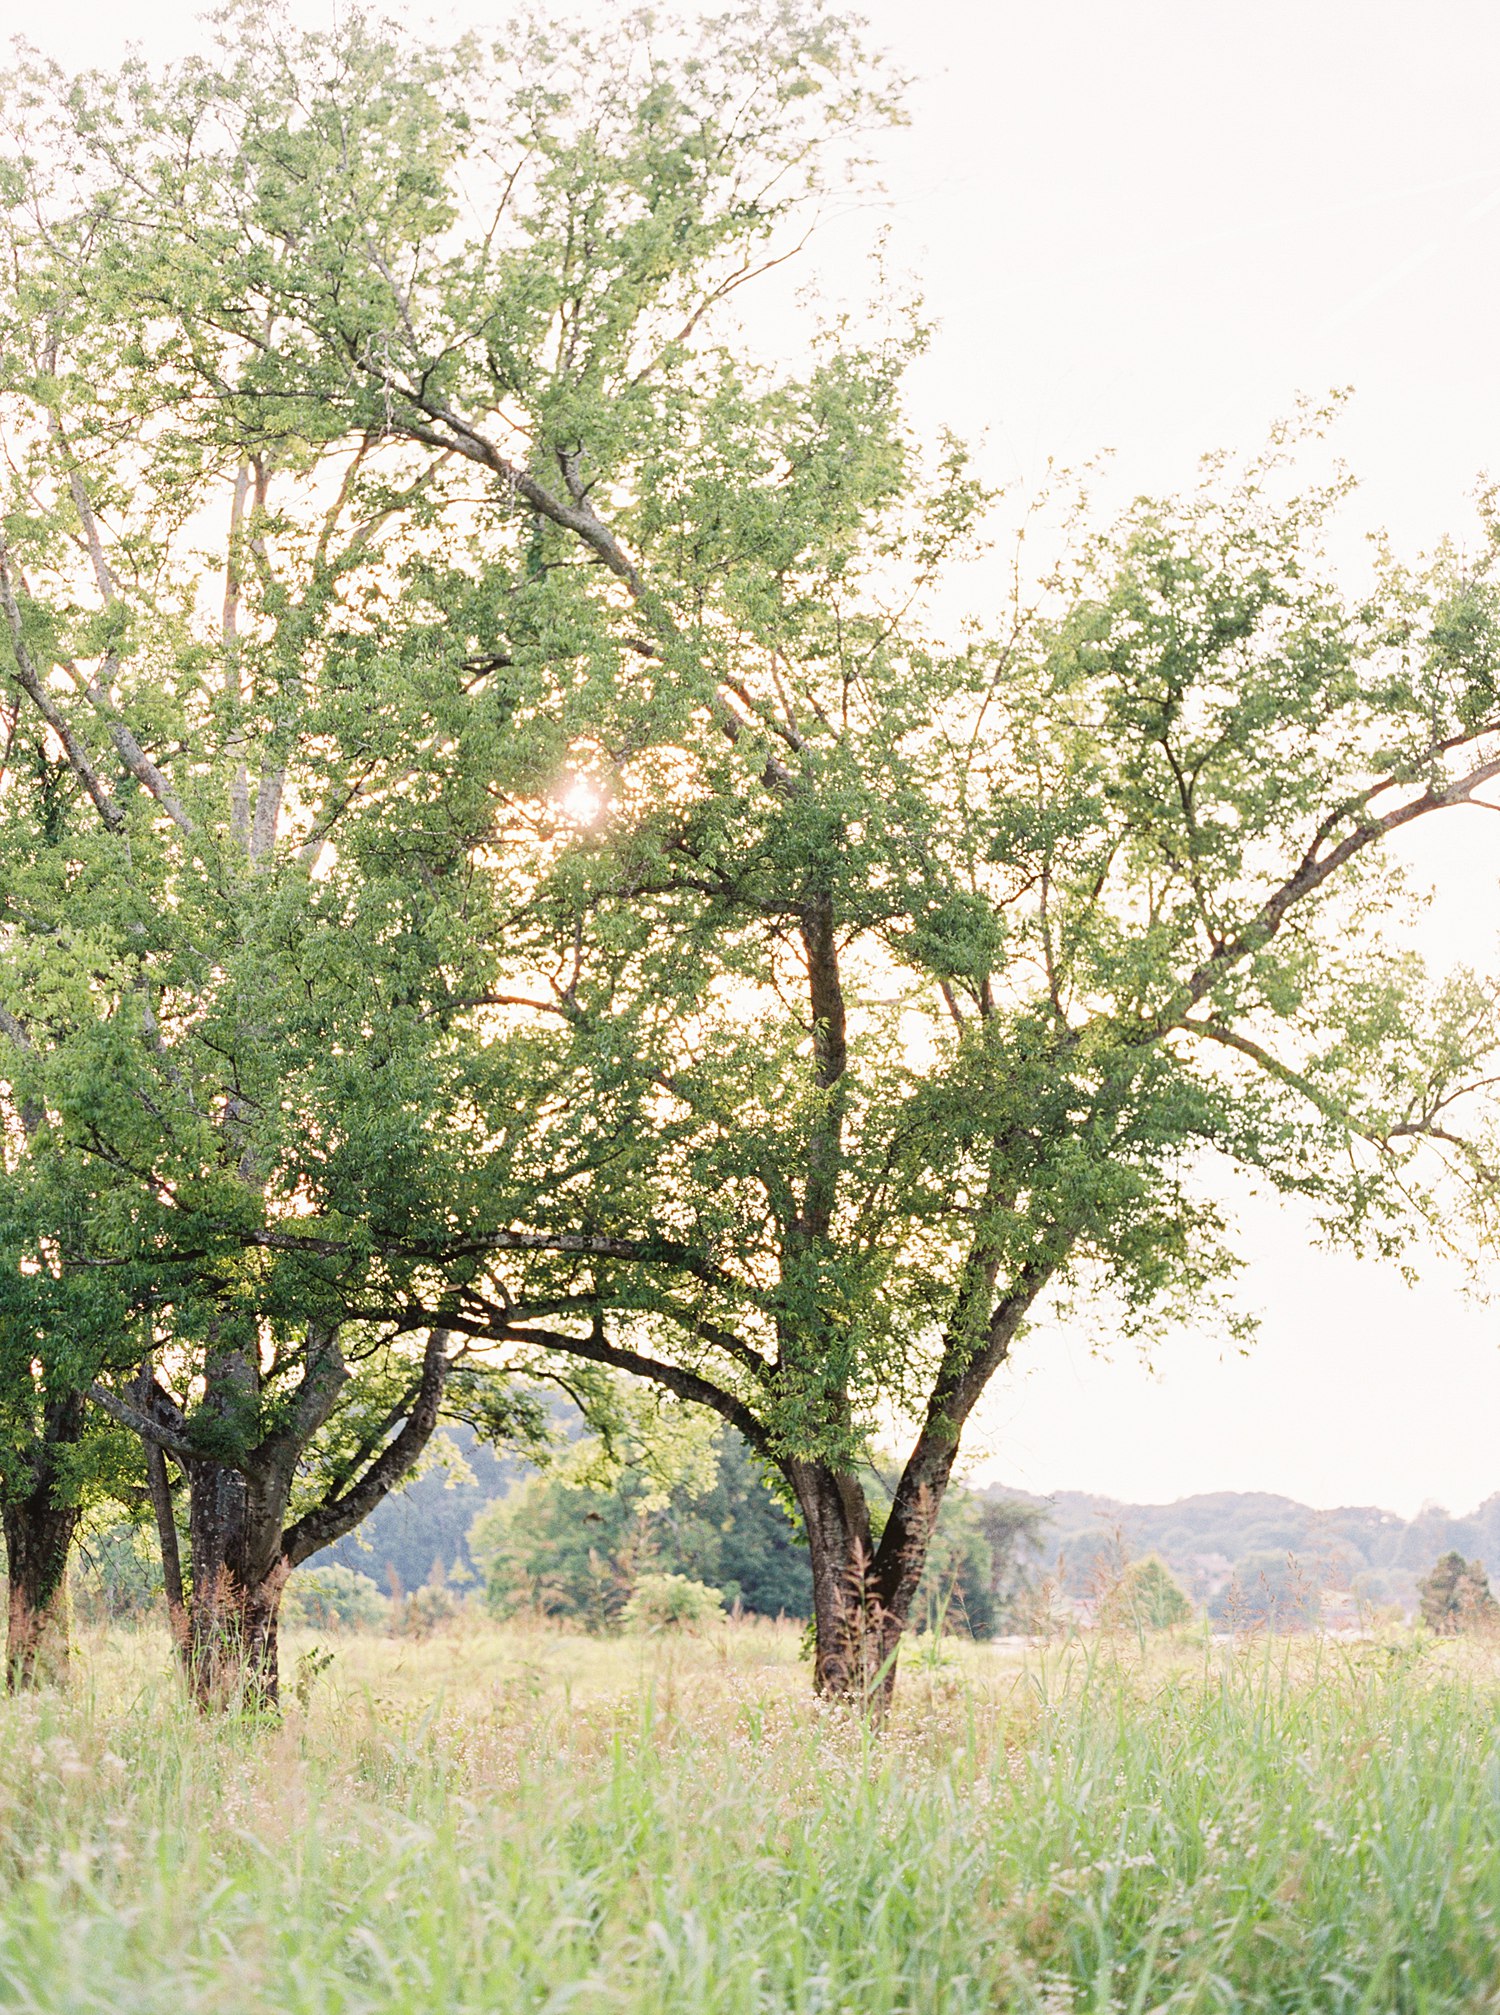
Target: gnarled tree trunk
[[39, 1527], [241, 1551], [857, 1627], [239, 1570], [863, 1592]]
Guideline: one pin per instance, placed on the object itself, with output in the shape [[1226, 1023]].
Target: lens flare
[[582, 802]]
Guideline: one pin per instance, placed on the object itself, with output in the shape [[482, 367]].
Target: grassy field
[[506, 1820]]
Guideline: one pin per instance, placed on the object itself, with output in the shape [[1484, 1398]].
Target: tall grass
[[508, 1821]]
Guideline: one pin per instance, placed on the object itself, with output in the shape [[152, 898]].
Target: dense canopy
[[505, 844]]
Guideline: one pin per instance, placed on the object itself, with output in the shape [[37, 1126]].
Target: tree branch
[[144, 1424], [330, 1521], [34, 686]]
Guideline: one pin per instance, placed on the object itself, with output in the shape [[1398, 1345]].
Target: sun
[[582, 802]]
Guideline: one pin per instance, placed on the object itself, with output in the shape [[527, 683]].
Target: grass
[[508, 1820]]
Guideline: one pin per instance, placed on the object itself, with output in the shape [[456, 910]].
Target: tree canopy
[[557, 884]]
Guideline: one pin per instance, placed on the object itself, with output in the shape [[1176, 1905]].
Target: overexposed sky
[[1147, 226]]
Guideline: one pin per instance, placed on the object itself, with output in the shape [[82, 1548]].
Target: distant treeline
[[537, 1543], [1225, 1545], [486, 1528], [1222, 1546]]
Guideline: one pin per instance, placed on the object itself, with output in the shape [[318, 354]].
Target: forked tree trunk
[[39, 1530], [856, 1636], [863, 1593], [241, 1551], [229, 1646]]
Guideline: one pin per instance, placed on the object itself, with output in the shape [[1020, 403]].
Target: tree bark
[[171, 1552], [855, 1636], [863, 1593], [241, 1551], [39, 1530], [238, 1573]]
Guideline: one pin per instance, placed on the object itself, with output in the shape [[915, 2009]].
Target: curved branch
[[144, 1424], [597, 1349], [330, 1521], [1316, 867]]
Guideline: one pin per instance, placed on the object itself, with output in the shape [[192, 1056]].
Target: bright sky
[[1147, 227]]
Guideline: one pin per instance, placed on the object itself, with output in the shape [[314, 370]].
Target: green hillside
[[1217, 1537]]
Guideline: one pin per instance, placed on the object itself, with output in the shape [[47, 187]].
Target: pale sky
[[1147, 226]]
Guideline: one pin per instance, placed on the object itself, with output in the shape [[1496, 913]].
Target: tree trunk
[[171, 1552], [238, 1574], [862, 1594], [855, 1635], [39, 1529], [241, 1552]]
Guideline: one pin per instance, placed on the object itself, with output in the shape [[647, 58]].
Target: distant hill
[[1209, 1539]]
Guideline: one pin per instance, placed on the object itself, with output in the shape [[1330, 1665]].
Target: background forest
[[480, 1530]]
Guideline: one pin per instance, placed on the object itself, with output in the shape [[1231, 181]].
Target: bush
[[671, 1602], [334, 1598]]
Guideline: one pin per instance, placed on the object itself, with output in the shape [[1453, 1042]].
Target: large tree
[[901, 985], [242, 787]]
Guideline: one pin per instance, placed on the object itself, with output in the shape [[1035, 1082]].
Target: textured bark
[[238, 1573], [39, 1529], [855, 1636], [241, 1550]]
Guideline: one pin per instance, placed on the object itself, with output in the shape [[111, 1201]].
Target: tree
[[915, 984], [1456, 1597], [236, 786], [56, 1334], [1147, 1596], [554, 1547], [102, 208], [427, 1521]]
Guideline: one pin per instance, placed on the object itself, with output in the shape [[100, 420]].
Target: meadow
[[502, 1820]]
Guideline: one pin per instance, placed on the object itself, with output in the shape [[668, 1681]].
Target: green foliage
[[1147, 1597], [579, 899], [556, 1548], [425, 1524], [333, 1598], [670, 1602], [426, 1610], [1359, 1550]]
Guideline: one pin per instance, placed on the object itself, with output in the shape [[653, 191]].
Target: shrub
[[334, 1598], [671, 1602]]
